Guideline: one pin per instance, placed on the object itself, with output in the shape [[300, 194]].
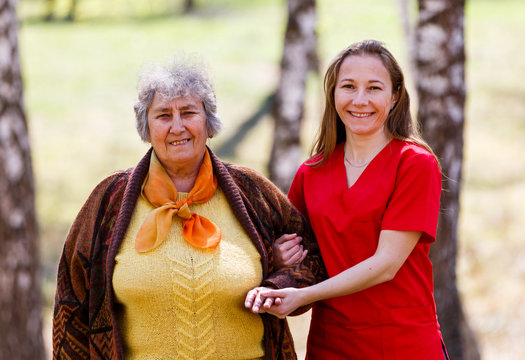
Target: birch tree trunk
[[20, 300], [299, 57], [440, 81]]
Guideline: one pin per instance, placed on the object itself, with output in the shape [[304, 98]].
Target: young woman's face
[[363, 94]]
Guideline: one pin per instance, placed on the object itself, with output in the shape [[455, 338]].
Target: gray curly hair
[[179, 77]]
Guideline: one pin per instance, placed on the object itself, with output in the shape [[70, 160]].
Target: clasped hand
[[287, 251], [279, 303]]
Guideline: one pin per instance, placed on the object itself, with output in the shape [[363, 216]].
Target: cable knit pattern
[[85, 325], [194, 309]]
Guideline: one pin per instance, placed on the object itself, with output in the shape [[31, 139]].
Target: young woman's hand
[[279, 303], [285, 301]]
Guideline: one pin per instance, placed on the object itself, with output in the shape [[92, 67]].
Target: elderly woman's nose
[[176, 124]]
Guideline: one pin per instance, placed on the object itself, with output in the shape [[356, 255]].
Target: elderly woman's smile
[[178, 132]]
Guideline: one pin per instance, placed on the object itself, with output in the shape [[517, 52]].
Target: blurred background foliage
[[80, 81]]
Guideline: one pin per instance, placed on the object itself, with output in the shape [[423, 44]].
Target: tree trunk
[[20, 300], [440, 80], [188, 7], [71, 15], [299, 56], [408, 30], [49, 6]]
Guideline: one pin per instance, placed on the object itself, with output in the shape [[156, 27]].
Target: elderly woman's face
[[363, 94], [178, 131]]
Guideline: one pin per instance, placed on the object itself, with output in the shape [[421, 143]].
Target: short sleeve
[[296, 192], [414, 205]]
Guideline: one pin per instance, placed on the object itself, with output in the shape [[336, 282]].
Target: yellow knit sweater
[[181, 302]]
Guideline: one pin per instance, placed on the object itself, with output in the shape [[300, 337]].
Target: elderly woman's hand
[[288, 250], [278, 302], [258, 303]]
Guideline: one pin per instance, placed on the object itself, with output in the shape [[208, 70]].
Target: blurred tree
[[189, 6], [228, 146], [51, 6], [298, 58], [408, 31], [20, 299], [440, 80]]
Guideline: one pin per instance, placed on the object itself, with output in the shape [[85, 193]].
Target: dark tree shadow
[[228, 147]]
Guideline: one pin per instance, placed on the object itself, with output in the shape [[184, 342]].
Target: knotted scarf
[[161, 192]]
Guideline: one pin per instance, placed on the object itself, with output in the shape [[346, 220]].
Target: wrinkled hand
[[258, 303], [288, 250]]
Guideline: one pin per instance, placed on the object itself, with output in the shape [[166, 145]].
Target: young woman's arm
[[393, 249]]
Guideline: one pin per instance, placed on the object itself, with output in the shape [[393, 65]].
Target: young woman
[[371, 193]]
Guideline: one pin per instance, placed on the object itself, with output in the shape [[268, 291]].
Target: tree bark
[[299, 57], [440, 81], [20, 299]]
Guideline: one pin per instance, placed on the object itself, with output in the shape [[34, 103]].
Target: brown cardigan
[[84, 324]]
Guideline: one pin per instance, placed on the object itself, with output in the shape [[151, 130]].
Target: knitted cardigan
[[84, 321]]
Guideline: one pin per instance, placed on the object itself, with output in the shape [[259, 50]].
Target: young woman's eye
[[348, 86]]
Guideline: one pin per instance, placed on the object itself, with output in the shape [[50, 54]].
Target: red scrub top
[[398, 190]]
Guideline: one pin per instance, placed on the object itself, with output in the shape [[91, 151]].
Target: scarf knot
[[160, 191], [184, 209]]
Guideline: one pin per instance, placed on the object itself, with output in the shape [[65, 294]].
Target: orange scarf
[[161, 192]]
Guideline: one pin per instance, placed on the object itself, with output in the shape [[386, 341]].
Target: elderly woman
[[159, 260]]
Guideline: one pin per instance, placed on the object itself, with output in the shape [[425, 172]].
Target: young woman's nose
[[360, 98]]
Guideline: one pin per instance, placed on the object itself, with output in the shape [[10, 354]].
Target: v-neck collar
[[341, 169]]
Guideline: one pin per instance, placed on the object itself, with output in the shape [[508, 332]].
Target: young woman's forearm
[[366, 274], [393, 249]]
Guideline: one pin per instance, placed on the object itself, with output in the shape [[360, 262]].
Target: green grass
[[80, 88]]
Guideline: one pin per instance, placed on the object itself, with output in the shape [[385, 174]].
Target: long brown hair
[[399, 123]]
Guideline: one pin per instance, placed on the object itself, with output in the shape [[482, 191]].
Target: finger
[[294, 257], [290, 243], [284, 238], [277, 301], [250, 297], [268, 302], [303, 257], [269, 293], [287, 254], [258, 303]]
